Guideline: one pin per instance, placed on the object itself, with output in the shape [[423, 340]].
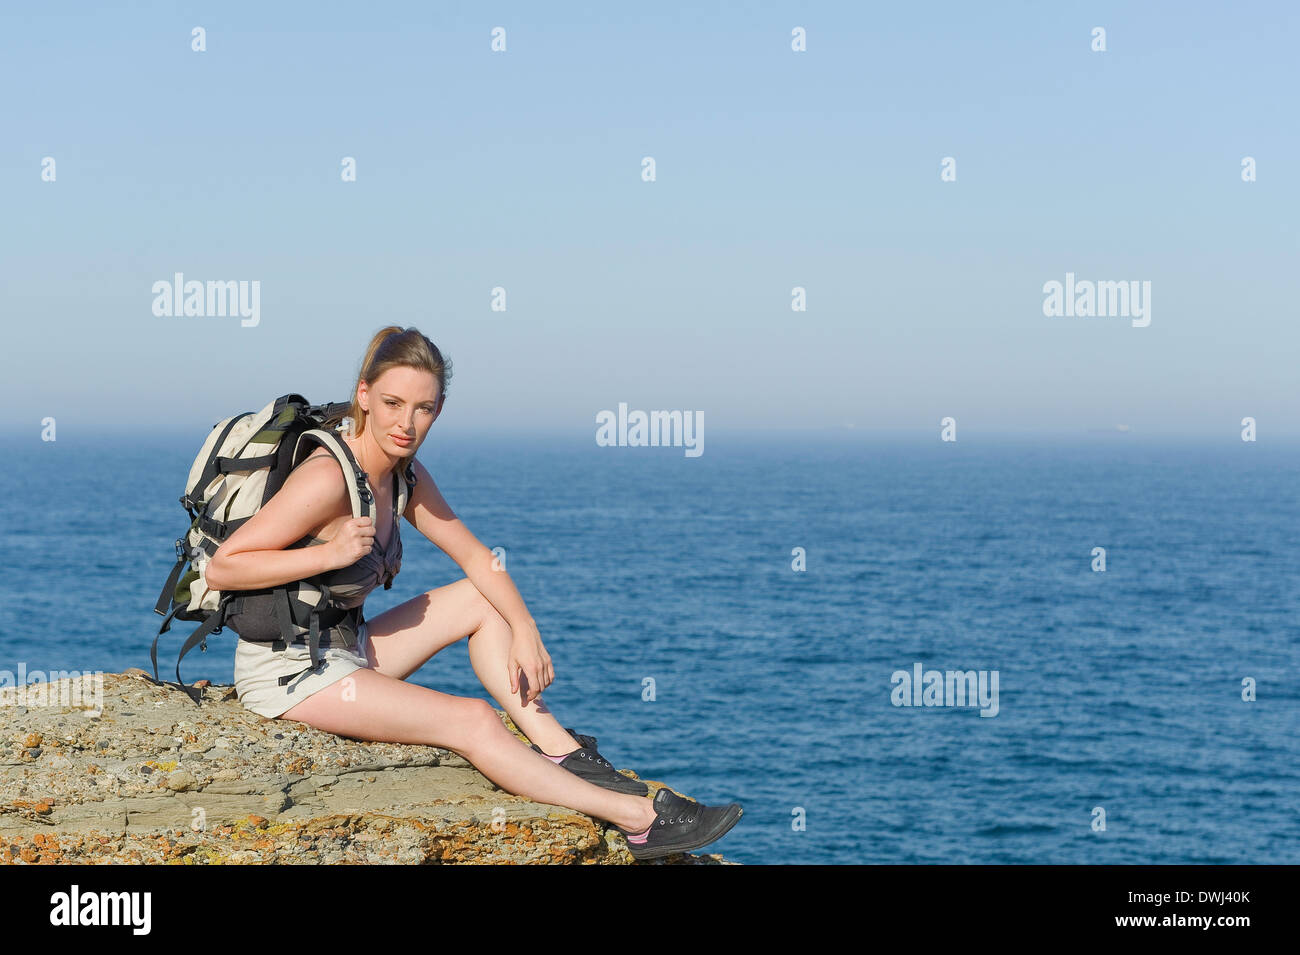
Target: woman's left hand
[[528, 653]]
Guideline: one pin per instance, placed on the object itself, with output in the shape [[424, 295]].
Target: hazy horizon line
[[969, 434]]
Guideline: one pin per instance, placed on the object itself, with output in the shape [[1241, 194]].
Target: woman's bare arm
[[430, 514], [254, 556]]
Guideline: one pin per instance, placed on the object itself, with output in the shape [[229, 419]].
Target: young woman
[[306, 530]]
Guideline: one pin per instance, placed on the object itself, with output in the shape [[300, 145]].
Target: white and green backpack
[[243, 462]]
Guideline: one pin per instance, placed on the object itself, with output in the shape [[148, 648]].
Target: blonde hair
[[394, 347]]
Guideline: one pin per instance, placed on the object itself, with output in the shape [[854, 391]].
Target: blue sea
[[769, 591]]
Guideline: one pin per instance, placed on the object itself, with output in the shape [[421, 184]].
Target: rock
[[180, 781], [267, 792]]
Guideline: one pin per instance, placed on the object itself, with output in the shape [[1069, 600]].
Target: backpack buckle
[[181, 552], [363, 488]]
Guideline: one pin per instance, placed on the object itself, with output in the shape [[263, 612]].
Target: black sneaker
[[597, 770], [681, 825]]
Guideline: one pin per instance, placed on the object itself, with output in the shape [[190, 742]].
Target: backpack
[[245, 459]]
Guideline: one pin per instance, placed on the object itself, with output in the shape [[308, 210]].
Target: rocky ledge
[[151, 778]]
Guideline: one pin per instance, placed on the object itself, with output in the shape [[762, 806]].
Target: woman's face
[[401, 403]]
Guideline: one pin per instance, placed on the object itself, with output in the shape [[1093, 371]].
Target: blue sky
[[775, 169]]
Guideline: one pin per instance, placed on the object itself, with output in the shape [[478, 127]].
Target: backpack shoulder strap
[[405, 481], [359, 493], [353, 476]]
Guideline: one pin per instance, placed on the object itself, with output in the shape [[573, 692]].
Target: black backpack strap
[[168, 596], [228, 465], [323, 617], [313, 639], [211, 625], [293, 676], [169, 589], [211, 467], [153, 650]]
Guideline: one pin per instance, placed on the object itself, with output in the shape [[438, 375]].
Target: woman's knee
[[483, 726], [471, 606], [477, 607]]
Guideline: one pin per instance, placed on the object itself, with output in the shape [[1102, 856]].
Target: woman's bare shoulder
[[313, 494], [316, 479]]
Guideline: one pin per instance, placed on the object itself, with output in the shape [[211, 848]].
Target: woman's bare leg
[[489, 652], [404, 638], [367, 705]]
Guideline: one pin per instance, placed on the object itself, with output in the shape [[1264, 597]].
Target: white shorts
[[258, 669]]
